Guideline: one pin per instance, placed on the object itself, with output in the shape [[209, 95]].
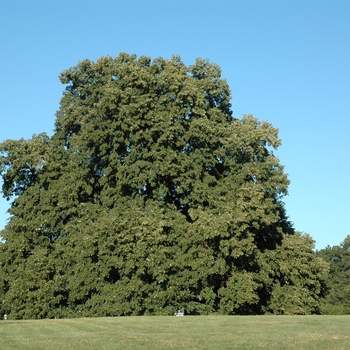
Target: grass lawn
[[189, 332]]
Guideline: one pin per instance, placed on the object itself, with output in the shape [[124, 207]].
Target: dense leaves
[[338, 299], [297, 277], [149, 197]]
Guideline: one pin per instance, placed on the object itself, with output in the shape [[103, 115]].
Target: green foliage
[[337, 302], [296, 276], [149, 197]]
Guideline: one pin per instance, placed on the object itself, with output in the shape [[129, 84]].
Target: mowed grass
[[189, 332]]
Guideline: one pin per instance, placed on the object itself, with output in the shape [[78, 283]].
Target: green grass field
[[189, 332]]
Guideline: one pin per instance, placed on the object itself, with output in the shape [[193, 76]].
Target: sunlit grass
[[189, 332]]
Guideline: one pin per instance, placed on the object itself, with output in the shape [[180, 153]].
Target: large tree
[[148, 197]]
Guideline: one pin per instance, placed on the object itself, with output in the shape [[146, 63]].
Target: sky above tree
[[285, 61]]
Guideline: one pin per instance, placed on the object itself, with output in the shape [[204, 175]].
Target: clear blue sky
[[286, 62]]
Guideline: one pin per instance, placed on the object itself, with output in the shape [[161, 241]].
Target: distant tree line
[[149, 197]]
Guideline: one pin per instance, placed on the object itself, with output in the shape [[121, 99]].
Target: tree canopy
[[149, 197]]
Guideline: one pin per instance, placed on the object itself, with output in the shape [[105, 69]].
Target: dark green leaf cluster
[[150, 197], [338, 299]]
